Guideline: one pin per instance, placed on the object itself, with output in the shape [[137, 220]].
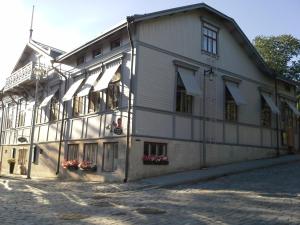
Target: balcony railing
[[21, 75]]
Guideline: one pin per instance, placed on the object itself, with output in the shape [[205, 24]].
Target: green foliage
[[281, 53]]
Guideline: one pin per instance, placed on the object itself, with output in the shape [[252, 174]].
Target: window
[[209, 39], [115, 44], [155, 149], [266, 113], [183, 101], [22, 156], [35, 155], [73, 152], [21, 113], [90, 153], [10, 115], [113, 91], [230, 107], [94, 101], [54, 107], [78, 105], [80, 60], [97, 52], [13, 154], [287, 116], [110, 157]]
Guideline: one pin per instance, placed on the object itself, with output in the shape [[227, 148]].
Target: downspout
[[130, 20], [277, 118], [62, 121], [2, 118]]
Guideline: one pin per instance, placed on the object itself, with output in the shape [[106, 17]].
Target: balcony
[[22, 75]]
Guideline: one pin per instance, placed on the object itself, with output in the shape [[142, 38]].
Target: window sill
[[216, 56], [156, 162]]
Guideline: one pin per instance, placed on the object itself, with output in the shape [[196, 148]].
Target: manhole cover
[[102, 204], [72, 216], [153, 211]]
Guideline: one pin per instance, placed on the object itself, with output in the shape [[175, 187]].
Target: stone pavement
[[265, 196]]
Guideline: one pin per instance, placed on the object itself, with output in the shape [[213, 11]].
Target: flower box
[[87, 166], [70, 164], [155, 160]]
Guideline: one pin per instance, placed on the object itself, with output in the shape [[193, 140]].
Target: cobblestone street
[[265, 196]]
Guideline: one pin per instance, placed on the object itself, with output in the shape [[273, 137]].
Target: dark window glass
[[115, 44], [230, 107], [209, 40], [183, 101]]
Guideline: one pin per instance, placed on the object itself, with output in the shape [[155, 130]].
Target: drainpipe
[[62, 121], [130, 20], [2, 119], [277, 119]]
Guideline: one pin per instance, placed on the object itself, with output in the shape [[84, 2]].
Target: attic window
[[80, 60], [209, 39], [115, 44], [97, 52]]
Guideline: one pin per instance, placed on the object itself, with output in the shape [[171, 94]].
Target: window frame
[[186, 101], [227, 104], [80, 60], [265, 111], [54, 104], [97, 52], [112, 46], [91, 98], [215, 30], [157, 144], [76, 154], [94, 162]]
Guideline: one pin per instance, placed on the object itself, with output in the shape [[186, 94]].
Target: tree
[[281, 53]]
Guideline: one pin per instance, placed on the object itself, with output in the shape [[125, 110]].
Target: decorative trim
[[231, 79], [185, 65]]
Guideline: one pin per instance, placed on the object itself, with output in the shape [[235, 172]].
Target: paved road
[[266, 196]]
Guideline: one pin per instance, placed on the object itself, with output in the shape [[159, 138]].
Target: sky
[[67, 24]]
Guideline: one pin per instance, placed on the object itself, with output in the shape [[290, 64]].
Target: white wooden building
[[174, 90]]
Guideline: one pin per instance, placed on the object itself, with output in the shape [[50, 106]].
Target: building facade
[[175, 90]]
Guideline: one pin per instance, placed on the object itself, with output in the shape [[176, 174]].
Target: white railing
[[21, 75]]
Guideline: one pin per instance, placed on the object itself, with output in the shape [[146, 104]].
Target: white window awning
[[270, 103], [106, 78], [293, 108], [46, 100], [70, 93], [236, 93], [90, 82], [189, 81]]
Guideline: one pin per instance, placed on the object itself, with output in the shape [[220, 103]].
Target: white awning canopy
[[46, 100], [270, 103], [236, 93], [106, 78], [90, 82], [293, 108], [189, 81], [70, 93]]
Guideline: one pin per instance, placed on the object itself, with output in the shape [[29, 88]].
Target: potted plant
[[155, 160], [87, 166], [11, 163], [70, 164]]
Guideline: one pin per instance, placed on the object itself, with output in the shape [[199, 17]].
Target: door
[[110, 157]]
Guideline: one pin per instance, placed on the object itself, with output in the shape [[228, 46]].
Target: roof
[[104, 34], [237, 32], [54, 52], [43, 49]]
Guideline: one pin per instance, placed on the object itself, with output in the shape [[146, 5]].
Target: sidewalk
[[195, 176]]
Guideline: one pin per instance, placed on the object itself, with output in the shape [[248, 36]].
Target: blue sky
[[66, 24]]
